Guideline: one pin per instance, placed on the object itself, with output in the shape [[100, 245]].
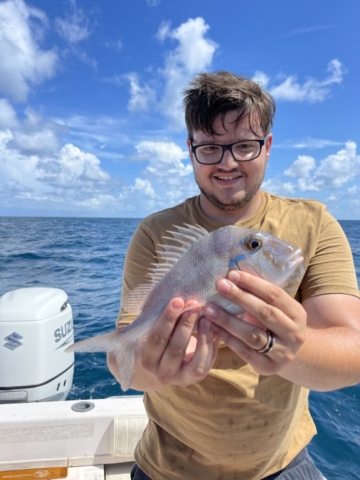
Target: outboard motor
[[35, 329]]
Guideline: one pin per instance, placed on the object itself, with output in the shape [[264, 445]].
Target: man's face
[[230, 185]]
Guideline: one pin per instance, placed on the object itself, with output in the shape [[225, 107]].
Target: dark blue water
[[85, 258]]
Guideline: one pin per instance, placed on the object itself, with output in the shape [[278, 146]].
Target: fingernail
[[224, 286], [234, 276], [192, 303], [210, 311], [177, 304]]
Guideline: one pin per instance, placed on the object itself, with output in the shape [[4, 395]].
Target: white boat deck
[[91, 444], [95, 443]]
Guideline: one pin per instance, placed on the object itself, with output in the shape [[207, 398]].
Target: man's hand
[[170, 354], [268, 309]]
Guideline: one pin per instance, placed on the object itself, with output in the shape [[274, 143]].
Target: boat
[[42, 434]]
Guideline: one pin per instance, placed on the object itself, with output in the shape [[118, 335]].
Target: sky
[[91, 120]]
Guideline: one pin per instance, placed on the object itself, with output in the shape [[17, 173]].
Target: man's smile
[[228, 179]]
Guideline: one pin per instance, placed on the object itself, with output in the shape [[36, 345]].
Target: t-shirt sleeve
[[140, 255], [331, 269]]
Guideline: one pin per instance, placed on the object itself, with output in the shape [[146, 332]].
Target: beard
[[235, 203]]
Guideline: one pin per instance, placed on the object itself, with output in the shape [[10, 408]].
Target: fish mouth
[[295, 260]]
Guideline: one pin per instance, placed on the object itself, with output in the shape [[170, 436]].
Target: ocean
[[85, 257]]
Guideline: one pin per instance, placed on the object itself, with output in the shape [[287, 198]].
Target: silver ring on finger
[[269, 343]]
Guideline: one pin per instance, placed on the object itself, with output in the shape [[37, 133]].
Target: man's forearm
[[328, 360]]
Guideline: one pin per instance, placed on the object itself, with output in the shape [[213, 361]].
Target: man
[[232, 403]]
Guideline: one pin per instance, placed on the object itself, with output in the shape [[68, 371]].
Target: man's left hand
[[272, 319]]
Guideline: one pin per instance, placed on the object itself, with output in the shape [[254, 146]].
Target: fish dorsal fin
[[133, 302], [186, 236]]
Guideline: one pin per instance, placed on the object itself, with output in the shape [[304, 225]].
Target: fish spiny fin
[[133, 302], [170, 254], [187, 235]]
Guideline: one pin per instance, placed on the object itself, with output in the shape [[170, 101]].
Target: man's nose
[[228, 159]]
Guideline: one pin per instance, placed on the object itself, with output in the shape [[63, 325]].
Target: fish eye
[[253, 244]]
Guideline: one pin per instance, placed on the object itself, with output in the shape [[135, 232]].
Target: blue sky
[[90, 99]]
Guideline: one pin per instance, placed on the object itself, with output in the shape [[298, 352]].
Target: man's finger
[[159, 335]]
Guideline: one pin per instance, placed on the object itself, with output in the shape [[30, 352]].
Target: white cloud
[[194, 53], [166, 180], [301, 167], [40, 142], [345, 204], [100, 203], [309, 143], [163, 31], [23, 63], [70, 178], [36, 173], [333, 171], [5, 137], [167, 152], [165, 159], [75, 27], [312, 90], [339, 168], [301, 31], [31, 135], [92, 132], [354, 190], [142, 187], [114, 45], [277, 187], [261, 78], [7, 114], [73, 168], [153, 3], [141, 98]]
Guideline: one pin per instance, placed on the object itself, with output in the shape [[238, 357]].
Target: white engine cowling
[[36, 327]]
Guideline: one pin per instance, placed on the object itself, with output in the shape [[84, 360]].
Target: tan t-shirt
[[237, 424]]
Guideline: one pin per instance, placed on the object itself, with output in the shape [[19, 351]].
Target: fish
[[189, 268]]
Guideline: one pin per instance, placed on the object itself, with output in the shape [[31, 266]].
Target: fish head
[[266, 256]]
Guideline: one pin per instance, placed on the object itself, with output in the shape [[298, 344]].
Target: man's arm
[[329, 359], [316, 344]]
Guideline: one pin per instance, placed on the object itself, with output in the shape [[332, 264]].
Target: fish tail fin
[[121, 342], [100, 343]]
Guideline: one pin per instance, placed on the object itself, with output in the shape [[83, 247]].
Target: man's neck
[[230, 216]]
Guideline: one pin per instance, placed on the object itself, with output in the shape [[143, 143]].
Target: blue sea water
[[85, 257]]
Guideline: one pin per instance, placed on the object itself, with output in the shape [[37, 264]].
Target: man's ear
[[268, 145]]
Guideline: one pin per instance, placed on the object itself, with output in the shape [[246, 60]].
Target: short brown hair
[[213, 94]]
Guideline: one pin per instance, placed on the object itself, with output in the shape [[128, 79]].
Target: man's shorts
[[302, 467]]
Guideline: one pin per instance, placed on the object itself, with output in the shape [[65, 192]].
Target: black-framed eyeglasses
[[242, 151]]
